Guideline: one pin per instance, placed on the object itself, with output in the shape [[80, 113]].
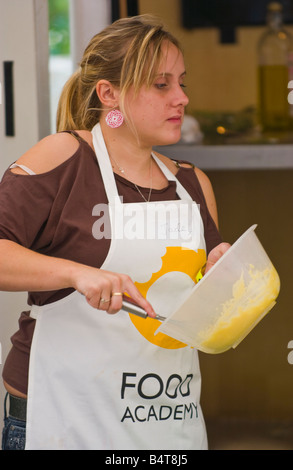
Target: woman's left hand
[[215, 254]]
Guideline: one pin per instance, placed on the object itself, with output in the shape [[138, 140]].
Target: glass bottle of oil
[[275, 55]]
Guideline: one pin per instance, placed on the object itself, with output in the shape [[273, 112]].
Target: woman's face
[[157, 112]]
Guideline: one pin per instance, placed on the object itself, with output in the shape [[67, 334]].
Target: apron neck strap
[[108, 175]]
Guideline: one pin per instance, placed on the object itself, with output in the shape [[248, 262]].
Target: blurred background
[[247, 392]]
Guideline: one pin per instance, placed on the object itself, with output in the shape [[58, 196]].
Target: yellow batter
[[248, 305]]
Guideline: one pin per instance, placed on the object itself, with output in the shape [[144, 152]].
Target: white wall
[[87, 18], [23, 40]]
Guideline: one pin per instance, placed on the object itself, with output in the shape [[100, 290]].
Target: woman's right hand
[[25, 270], [104, 289]]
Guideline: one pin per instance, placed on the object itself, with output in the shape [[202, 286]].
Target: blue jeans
[[13, 435]]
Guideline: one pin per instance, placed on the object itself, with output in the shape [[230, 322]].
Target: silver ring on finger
[[103, 301]]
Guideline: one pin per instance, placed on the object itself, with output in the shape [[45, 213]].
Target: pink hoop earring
[[114, 118]]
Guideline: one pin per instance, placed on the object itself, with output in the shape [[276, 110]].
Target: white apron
[[100, 381]]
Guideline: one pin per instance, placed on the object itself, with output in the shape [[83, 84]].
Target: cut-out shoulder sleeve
[[48, 153], [23, 167], [31, 206]]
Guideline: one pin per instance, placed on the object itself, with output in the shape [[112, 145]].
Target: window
[[60, 61]]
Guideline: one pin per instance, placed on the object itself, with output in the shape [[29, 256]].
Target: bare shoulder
[[50, 152], [203, 180]]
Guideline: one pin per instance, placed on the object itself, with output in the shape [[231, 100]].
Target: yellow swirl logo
[[185, 266]]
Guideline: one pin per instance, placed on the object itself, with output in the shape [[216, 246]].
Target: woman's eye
[[161, 85]]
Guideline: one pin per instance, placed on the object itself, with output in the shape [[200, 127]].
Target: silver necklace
[[122, 170]]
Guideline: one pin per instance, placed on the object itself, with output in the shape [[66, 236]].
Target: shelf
[[233, 157]]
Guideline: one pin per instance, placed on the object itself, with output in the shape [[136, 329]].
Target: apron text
[[151, 386]]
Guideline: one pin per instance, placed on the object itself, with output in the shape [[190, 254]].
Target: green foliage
[[218, 127], [59, 40]]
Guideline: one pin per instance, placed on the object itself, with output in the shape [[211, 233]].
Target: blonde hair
[[127, 54]]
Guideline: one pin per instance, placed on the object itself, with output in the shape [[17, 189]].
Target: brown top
[[51, 213]]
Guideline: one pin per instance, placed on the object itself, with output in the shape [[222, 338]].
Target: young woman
[[90, 214]]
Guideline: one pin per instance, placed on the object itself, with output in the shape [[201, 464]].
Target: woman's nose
[[181, 96]]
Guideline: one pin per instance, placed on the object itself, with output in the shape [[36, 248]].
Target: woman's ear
[[107, 93]]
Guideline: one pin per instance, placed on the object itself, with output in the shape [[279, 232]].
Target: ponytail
[[67, 103], [74, 112]]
